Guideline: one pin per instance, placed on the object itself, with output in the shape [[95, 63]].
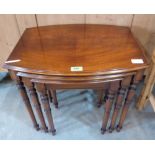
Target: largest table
[[77, 56]]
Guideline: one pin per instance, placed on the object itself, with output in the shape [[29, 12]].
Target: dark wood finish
[[75, 82], [100, 97], [50, 96], [129, 98], [125, 83], [111, 94], [45, 103], [55, 101], [45, 55], [105, 96], [26, 101], [100, 49], [36, 103]]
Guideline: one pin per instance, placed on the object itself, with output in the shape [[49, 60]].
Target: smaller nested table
[[77, 56]]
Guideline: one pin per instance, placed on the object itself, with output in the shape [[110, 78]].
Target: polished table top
[[94, 49]]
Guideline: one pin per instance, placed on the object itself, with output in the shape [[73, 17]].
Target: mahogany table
[[77, 56]]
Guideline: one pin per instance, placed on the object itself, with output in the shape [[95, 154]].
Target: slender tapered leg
[[100, 96], [45, 103], [50, 95], [129, 98], [26, 100], [36, 103], [111, 94], [53, 92], [124, 85], [105, 96]]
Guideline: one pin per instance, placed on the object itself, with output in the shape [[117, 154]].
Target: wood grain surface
[[99, 49]]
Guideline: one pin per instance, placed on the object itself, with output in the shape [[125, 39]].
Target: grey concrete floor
[[77, 118]]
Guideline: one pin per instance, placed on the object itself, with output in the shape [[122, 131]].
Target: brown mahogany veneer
[[23, 93], [50, 96], [35, 102], [100, 96], [111, 94], [45, 55], [45, 103], [129, 98], [100, 49], [121, 94], [55, 101]]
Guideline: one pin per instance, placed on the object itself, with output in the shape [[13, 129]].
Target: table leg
[[100, 96], [105, 96], [50, 95], [124, 85], [26, 101], [35, 101], [111, 94], [45, 102], [53, 92], [130, 95]]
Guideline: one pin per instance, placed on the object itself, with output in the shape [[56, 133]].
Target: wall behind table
[[12, 26], [143, 27]]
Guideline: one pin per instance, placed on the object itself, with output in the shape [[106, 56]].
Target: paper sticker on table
[[76, 68], [137, 61]]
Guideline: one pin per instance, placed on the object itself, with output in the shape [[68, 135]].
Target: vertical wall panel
[[25, 21], [54, 19], [143, 27], [150, 46], [110, 19], [9, 35]]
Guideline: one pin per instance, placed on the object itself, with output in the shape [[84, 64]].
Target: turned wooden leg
[[105, 96], [111, 94], [100, 96], [37, 106], [124, 85], [130, 96], [50, 95], [45, 103], [26, 100], [53, 92]]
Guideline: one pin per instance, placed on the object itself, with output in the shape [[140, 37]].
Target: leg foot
[[110, 130], [56, 106], [118, 128], [99, 104], [103, 131], [37, 127], [53, 132]]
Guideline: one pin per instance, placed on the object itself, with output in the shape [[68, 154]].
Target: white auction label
[[76, 68], [137, 61]]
